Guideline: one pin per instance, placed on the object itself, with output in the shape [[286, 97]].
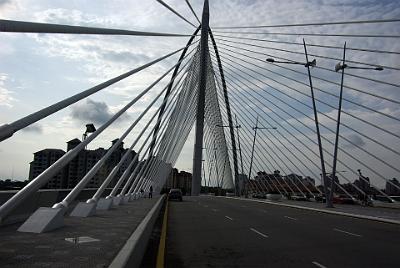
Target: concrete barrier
[[133, 251], [42, 198]]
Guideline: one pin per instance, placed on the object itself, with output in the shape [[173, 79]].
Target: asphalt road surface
[[218, 232]]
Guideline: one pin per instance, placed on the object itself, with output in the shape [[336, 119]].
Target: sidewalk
[[82, 242]]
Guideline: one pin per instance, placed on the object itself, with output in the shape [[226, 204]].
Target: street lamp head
[[311, 64], [270, 60], [90, 128], [340, 66]]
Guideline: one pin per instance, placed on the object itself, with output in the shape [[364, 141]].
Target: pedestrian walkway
[[82, 242]]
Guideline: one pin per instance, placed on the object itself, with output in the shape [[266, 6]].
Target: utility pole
[[198, 145]]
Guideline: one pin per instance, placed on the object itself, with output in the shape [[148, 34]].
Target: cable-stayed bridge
[[293, 112]]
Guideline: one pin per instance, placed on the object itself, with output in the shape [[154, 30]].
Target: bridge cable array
[[279, 94]]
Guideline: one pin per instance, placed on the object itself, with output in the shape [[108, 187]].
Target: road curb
[[364, 217], [161, 247], [132, 252]]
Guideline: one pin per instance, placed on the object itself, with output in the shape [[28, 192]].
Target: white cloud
[[6, 98]]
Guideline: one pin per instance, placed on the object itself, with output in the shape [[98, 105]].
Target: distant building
[[78, 167], [41, 161], [391, 189], [285, 184], [308, 181], [181, 180]]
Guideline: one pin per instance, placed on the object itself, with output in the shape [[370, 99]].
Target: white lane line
[[257, 232], [341, 231], [206, 206], [215, 210], [318, 264], [291, 218], [229, 218]]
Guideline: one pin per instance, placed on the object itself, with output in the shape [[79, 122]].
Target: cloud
[[36, 128], [6, 98], [94, 112], [91, 112], [124, 56], [356, 141], [4, 2]]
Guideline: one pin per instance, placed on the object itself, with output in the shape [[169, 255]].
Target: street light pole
[[342, 66], [204, 174], [254, 142], [252, 150], [234, 149], [337, 126], [240, 150], [321, 155]]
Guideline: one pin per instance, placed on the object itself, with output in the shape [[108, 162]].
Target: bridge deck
[[112, 228], [218, 232]]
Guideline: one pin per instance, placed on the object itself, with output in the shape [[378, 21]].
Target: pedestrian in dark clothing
[[151, 192]]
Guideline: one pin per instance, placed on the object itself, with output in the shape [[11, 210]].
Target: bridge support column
[[198, 145]]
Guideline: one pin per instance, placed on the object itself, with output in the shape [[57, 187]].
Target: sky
[[37, 70]]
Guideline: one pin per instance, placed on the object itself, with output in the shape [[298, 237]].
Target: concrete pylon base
[[126, 199], [43, 220], [84, 210], [104, 204], [117, 200]]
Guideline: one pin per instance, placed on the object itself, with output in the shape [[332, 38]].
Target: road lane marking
[[206, 206], [257, 232], [229, 218], [215, 210], [341, 231], [318, 264], [291, 218]]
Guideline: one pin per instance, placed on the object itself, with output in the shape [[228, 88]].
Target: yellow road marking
[[161, 246]]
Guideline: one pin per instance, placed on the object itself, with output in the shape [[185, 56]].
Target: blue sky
[[37, 70]]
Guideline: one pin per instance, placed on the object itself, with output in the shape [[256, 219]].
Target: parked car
[[175, 194], [259, 195], [299, 198], [274, 196], [320, 198], [343, 199]]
